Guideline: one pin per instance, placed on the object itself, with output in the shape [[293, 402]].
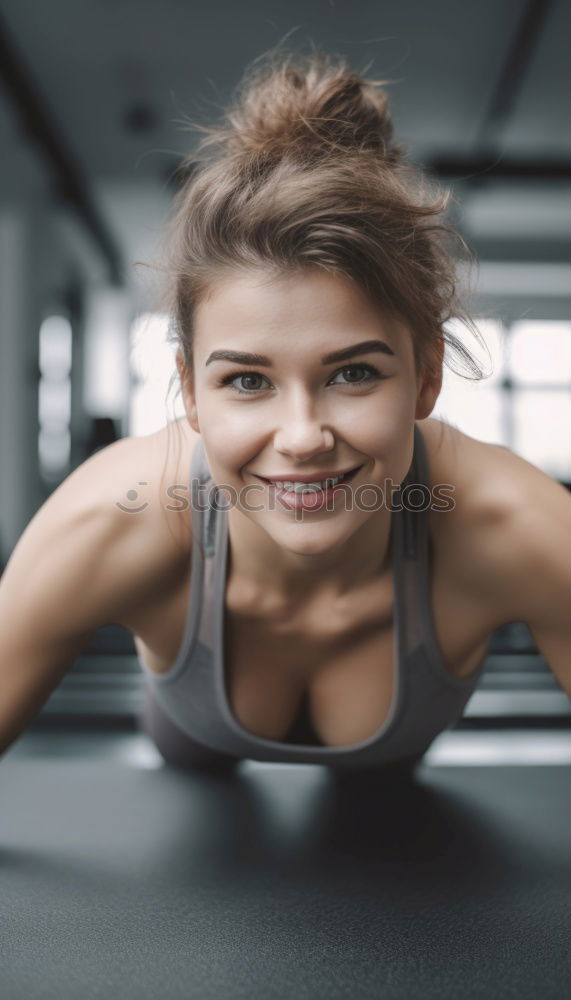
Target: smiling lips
[[300, 491], [318, 477]]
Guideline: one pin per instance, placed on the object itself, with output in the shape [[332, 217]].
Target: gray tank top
[[427, 698]]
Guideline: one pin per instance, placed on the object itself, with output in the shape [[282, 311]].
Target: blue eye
[[372, 373]]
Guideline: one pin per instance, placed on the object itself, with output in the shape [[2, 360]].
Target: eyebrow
[[244, 358]]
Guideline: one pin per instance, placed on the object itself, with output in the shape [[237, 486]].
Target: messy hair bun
[[287, 111], [303, 171]]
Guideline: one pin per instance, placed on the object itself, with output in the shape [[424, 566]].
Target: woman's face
[[295, 411]]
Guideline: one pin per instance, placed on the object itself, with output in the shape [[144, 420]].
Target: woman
[[342, 618]]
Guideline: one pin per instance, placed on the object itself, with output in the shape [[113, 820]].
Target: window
[[525, 402], [540, 394], [477, 408], [54, 402], [152, 365]]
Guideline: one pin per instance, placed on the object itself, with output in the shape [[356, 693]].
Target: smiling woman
[[324, 601], [311, 282]]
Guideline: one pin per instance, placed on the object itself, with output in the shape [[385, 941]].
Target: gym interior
[[121, 876]]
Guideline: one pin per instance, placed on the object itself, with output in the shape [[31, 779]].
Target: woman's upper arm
[[540, 581], [82, 562], [66, 570]]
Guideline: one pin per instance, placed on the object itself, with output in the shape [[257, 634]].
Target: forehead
[[313, 301]]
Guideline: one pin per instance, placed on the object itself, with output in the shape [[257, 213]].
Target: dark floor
[[123, 877]]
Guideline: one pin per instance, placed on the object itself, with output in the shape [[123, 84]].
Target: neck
[[261, 565]]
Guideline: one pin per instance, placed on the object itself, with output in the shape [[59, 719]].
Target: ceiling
[[113, 79]]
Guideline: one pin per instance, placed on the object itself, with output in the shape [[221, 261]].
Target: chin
[[303, 538]]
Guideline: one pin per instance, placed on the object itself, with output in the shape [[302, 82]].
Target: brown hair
[[303, 171]]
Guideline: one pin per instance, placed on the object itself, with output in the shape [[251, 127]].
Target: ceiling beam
[[40, 126], [482, 168], [512, 74], [488, 162]]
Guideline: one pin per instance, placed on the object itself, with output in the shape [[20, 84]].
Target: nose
[[303, 433]]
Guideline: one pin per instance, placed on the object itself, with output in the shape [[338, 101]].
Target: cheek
[[389, 446], [385, 431], [233, 436], [228, 450]]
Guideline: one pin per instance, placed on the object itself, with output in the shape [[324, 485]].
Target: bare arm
[[537, 576], [81, 563]]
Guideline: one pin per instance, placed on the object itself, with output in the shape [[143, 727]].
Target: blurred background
[[92, 102]]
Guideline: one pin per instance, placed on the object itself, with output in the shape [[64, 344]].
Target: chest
[[344, 659], [340, 654]]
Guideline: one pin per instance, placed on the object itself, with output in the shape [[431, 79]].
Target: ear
[[187, 390], [430, 384]]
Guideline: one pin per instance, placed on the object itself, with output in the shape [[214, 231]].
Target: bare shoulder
[[91, 552], [491, 481], [148, 478], [129, 489], [147, 481], [501, 500], [486, 478], [457, 459]]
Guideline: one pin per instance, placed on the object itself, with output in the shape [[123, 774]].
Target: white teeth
[[294, 487]]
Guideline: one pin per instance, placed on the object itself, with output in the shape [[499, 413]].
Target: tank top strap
[[415, 496], [203, 500], [206, 521], [411, 539], [420, 500]]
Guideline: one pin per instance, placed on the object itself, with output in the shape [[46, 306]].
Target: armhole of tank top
[[424, 562], [199, 476]]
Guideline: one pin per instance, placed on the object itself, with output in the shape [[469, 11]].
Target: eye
[[371, 370], [228, 379], [372, 374]]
